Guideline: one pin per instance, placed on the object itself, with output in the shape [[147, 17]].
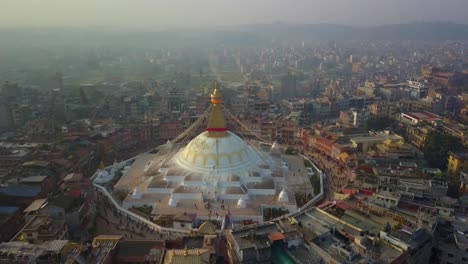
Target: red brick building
[[168, 130], [324, 144]]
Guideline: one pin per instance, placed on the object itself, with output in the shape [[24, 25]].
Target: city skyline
[[233, 132], [209, 13]]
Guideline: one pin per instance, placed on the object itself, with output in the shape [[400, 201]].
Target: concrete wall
[[187, 196], [182, 225], [262, 191], [159, 190], [229, 184], [232, 196], [174, 178]]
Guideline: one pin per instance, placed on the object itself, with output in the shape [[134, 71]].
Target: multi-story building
[[417, 244], [49, 252], [237, 104], [387, 109], [168, 130], [408, 183], [294, 105], [43, 228], [152, 103], [356, 67], [457, 162], [416, 136], [349, 240], [268, 130], [46, 183], [12, 158], [129, 107], [360, 102], [19, 114], [199, 104], [5, 118], [443, 78], [288, 86], [12, 92], [175, 101], [365, 142], [325, 144], [451, 242], [416, 118], [258, 245], [463, 183], [286, 133], [354, 117], [11, 221], [139, 251]]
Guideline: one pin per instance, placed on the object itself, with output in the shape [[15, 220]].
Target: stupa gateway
[[216, 174]]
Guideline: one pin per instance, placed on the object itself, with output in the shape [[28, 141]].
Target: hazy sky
[[155, 13]]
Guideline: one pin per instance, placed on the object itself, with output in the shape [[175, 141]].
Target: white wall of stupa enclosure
[[178, 183]]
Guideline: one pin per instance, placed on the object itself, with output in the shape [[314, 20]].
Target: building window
[[450, 255], [464, 259]]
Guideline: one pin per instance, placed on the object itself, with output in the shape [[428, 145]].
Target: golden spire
[[216, 97], [216, 122], [185, 251], [101, 165]]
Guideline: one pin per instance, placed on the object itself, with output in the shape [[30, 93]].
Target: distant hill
[[413, 31], [245, 35]]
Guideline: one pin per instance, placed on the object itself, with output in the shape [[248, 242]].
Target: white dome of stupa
[[283, 196], [217, 148], [225, 154]]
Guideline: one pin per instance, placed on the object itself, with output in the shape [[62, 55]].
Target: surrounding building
[[42, 228], [457, 162], [12, 220]]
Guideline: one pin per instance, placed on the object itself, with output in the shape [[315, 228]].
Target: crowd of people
[[335, 170]]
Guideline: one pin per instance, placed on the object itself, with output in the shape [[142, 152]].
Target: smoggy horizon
[[145, 14]]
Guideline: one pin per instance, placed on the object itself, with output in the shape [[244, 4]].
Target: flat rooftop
[[136, 171]]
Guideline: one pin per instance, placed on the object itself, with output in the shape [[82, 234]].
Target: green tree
[[290, 151], [453, 182], [437, 147], [378, 123]]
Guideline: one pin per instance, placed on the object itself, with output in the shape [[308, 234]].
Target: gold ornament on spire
[[216, 97]]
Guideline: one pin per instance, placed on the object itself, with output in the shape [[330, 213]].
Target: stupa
[[217, 172]]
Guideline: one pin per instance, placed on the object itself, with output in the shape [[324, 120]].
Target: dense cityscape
[[257, 146]]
